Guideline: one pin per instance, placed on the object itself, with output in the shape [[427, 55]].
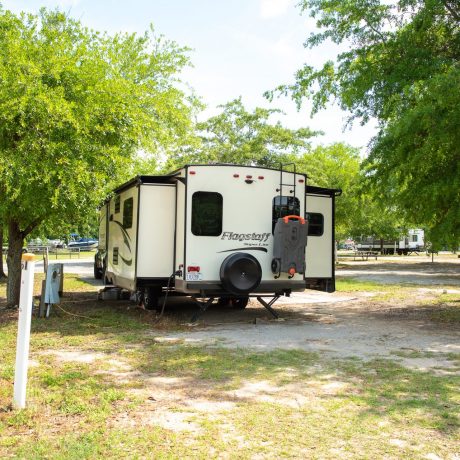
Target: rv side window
[[128, 213], [315, 223], [117, 204], [284, 206], [207, 213], [414, 238]]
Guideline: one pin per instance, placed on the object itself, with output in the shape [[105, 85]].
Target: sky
[[238, 48]]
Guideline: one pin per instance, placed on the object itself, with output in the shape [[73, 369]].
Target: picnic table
[[364, 255]]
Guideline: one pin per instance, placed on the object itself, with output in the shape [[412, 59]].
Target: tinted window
[[117, 203], [315, 223], [284, 206], [128, 213], [207, 214]]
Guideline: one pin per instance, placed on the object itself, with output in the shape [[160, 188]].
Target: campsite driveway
[[404, 321], [335, 325], [83, 267], [363, 324]]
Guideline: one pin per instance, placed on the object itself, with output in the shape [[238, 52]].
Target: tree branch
[[451, 10], [376, 31], [31, 226]]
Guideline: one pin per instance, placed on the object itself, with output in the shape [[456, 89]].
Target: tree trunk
[[13, 260], [2, 272]]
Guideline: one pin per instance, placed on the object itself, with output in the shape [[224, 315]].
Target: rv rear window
[[284, 206], [207, 213], [315, 223], [128, 213]]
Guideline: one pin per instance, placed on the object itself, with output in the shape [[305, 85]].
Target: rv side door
[[319, 253]]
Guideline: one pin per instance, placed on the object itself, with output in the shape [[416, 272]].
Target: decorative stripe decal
[[245, 249], [126, 261], [126, 237]]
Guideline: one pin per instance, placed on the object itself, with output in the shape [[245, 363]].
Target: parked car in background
[[82, 243]]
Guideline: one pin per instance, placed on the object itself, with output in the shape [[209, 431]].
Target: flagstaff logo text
[[260, 237]]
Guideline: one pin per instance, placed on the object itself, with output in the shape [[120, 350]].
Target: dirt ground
[[410, 269], [357, 324]]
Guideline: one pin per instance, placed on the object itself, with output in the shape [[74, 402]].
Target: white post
[[23, 341]]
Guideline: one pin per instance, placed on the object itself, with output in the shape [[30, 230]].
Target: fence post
[[24, 322]]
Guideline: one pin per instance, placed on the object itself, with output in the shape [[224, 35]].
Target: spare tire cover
[[240, 273]]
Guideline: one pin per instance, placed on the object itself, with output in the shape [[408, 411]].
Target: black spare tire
[[240, 273]]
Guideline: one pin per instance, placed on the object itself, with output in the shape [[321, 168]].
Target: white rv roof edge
[[195, 165]]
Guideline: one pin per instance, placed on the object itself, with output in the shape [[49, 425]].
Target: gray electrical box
[[53, 283], [290, 240]]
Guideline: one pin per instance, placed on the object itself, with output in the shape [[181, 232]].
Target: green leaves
[[424, 141], [242, 137], [402, 69], [75, 107]]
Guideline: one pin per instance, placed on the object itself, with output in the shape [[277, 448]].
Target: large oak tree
[[401, 66], [75, 107]]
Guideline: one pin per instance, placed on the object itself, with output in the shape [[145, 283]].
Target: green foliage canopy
[[402, 68], [75, 107], [238, 136]]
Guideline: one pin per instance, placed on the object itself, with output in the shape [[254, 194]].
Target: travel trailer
[[413, 242], [218, 233]]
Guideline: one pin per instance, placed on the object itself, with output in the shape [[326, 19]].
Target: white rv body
[[320, 250], [178, 230]]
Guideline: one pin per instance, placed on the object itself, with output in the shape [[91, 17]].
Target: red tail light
[[236, 176], [248, 177], [193, 268], [192, 172], [261, 177]]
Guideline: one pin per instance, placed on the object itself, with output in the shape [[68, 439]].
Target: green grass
[[74, 408], [72, 283], [354, 285], [445, 307], [305, 405]]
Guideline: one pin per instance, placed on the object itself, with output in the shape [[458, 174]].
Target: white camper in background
[[218, 232], [412, 242]]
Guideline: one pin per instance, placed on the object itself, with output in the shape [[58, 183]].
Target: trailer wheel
[[97, 272], [151, 297], [240, 273], [223, 301], [240, 303]]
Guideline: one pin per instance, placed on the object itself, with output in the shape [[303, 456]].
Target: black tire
[[97, 272], [151, 298], [239, 303], [223, 301], [240, 273]]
